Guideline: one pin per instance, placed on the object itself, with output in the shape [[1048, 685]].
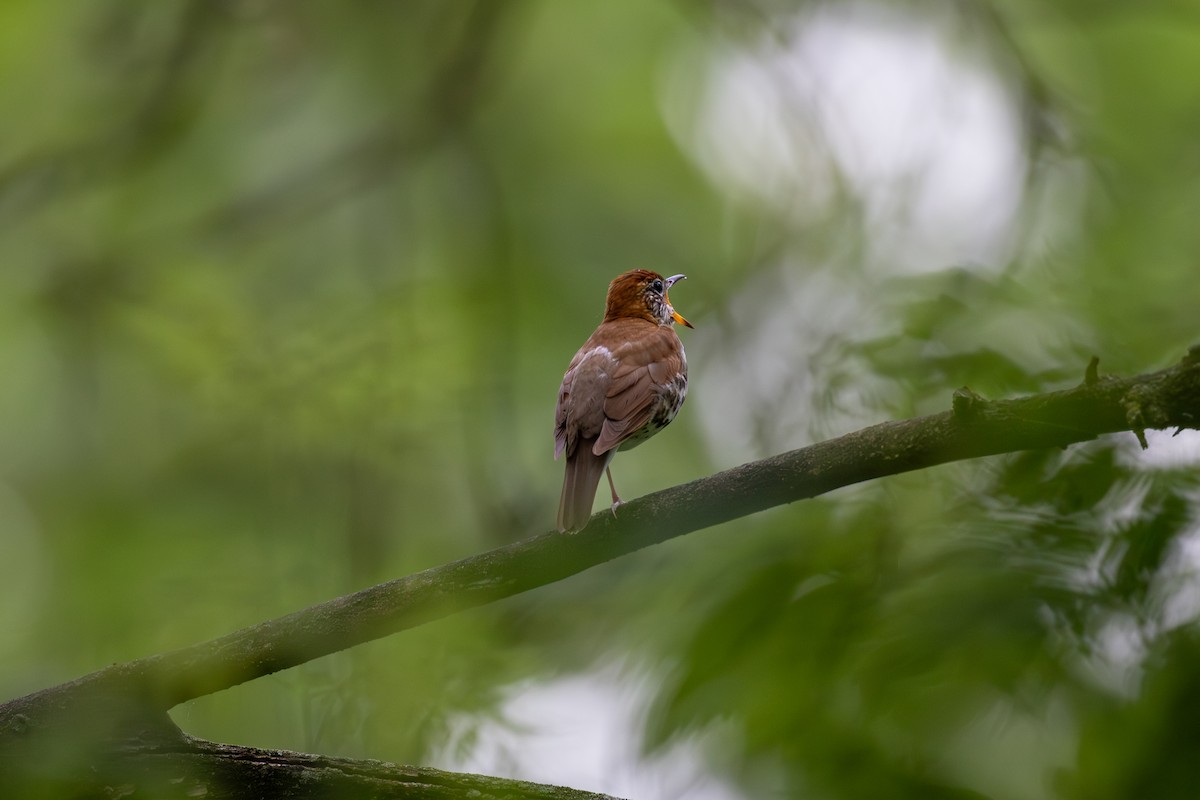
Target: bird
[[626, 383]]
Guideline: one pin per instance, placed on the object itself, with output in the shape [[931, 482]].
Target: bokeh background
[[287, 289]]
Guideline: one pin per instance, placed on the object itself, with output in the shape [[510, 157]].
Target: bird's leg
[[615, 497]]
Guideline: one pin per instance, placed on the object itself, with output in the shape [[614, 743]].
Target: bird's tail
[[582, 478]]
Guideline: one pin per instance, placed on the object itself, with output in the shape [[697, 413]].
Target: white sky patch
[[1166, 450], [1120, 651], [1181, 604], [583, 731], [928, 140]]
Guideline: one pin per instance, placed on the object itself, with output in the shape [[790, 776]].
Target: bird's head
[[642, 293]]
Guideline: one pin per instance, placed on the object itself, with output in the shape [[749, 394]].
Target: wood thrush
[[625, 384]]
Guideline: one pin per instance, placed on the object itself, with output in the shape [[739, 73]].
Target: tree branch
[[129, 701], [192, 768]]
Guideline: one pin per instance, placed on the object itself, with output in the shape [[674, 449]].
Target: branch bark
[[190, 768], [127, 703]]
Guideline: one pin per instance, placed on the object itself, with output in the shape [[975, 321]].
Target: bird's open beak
[[675, 315]]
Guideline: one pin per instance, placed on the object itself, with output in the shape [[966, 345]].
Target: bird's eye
[[657, 285]]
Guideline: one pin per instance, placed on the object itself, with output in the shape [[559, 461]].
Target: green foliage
[[287, 290]]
